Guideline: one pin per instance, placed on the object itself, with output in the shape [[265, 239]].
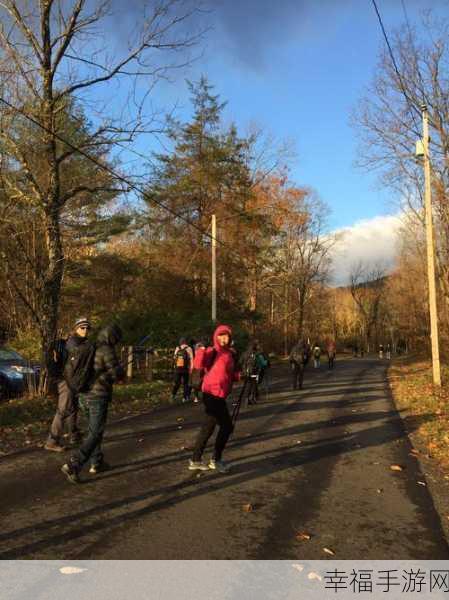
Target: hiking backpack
[[57, 358], [299, 355], [250, 366], [79, 368], [197, 375], [182, 359]]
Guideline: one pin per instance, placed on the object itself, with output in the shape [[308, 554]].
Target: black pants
[[181, 377], [298, 375], [217, 413], [253, 390], [331, 360], [96, 411]]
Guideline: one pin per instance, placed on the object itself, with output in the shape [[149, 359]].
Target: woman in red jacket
[[220, 372]]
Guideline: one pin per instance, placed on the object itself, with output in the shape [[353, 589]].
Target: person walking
[[381, 351], [95, 398], [183, 365], [388, 352], [68, 402], [298, 359], [220, 371], [316, 356], [253, 364], [331, 353]]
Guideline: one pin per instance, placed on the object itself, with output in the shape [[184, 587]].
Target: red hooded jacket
[[219, 366]]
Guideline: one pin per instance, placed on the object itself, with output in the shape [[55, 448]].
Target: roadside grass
[[25, 421], [413, 391]]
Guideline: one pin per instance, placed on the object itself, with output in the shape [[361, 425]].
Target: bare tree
[[389, 122], [368, 291], [54, 53]]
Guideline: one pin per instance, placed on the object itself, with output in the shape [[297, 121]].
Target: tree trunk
[[51, 290]]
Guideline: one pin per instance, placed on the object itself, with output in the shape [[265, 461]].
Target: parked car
[[17, 375]]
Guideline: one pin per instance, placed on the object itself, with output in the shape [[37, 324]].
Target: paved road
[[315, 461]]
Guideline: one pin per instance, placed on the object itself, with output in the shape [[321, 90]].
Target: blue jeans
[[96, 410]]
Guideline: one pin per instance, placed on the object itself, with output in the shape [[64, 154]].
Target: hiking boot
[[70, 473], [219, 465], [94, 469], [197, 465], [53, 446], [76, 439]]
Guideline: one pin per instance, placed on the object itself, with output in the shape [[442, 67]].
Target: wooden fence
[[147, 363]]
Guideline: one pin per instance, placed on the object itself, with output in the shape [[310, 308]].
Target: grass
[[414, 392], [25, 421]]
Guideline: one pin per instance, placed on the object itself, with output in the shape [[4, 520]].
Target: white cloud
[[371, 241]]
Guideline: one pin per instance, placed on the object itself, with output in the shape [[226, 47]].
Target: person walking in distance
[[183, 365], [95, 382], [220, 370], [67, 410], [298, 359], [316, 356], [253, 363], [331, 352]]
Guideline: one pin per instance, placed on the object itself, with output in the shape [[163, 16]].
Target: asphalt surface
[[315, 461]]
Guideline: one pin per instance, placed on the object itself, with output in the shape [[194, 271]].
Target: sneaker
[[94, 469], [218, 465], [54, 446], [71, 475], [197, 465]]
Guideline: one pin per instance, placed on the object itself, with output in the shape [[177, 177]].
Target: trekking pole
[[238, 404]]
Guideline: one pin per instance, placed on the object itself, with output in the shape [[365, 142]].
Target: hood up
[[219, 331], [110, 335]]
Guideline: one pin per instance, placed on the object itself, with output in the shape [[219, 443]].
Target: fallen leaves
[[329, 551], [422, 483], [312, 575], [299, 568], [248, 507], [303, 536], [396, 468]]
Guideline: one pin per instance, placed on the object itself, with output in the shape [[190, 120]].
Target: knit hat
[[80, 322]]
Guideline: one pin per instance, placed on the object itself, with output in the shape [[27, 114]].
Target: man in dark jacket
[[298, 358], [67, 410], [95, 402]]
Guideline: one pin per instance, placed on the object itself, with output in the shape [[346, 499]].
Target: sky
[[297, 68]]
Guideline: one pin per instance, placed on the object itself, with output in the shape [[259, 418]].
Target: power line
[[393, 60]]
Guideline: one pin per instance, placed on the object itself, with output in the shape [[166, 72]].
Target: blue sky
[[298, 69]]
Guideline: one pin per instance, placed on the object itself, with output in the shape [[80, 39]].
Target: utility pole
[[214, 268], [430, 252]]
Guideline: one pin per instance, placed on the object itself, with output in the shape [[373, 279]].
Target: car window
[[9, 355]]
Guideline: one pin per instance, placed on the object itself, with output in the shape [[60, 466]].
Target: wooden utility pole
[[430, 253], [214, 268]]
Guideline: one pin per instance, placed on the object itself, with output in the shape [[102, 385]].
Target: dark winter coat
[[107, 368], [71, 346]]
